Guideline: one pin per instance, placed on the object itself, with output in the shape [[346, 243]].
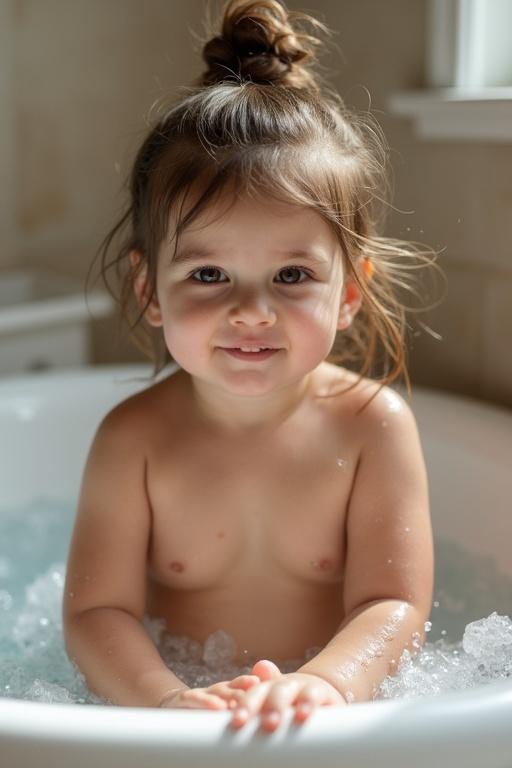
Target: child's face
[[251, 285]]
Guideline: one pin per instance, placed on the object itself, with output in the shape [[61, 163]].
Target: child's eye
[[207, 270], [292, 270]]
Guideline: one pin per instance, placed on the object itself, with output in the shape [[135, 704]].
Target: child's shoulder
[[138, 412], [373, 404]]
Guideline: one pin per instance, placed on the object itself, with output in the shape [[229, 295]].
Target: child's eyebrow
[[188, 255]]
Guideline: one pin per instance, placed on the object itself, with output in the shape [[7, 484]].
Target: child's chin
[[241, 385]]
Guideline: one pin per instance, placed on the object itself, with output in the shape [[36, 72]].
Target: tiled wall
[[77, 80]]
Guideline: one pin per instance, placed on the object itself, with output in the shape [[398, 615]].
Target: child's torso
[[248, 534]]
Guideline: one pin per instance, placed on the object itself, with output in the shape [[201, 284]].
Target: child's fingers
[[266, 670], [223, 695], [232, 697], [236, 688], [252, 703], [244, 681], [198, 698], [309, 698], [285, 695], [232, 692]]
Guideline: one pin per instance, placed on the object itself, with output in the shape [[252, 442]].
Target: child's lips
[[255, 356]]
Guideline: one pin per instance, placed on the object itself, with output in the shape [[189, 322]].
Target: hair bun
[[259, 42]]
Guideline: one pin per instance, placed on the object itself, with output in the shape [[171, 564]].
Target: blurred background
[[78, 79]]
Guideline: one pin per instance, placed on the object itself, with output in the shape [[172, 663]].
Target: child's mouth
[[262, 355]]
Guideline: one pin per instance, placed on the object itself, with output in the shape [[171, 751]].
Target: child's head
[[259, 128]]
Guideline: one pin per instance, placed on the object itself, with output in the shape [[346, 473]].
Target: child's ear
[[140, 288], [351, 301]]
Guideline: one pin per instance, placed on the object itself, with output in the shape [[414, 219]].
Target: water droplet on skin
[[343, 463], [71, 594], [390, 561], [348, 669], [394, 403], [407, 530], [383, 423], [428, 626]]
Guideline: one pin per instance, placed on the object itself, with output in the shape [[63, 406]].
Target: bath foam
[[34, 665]]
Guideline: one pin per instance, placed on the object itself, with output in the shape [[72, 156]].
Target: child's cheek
[[188, 332]]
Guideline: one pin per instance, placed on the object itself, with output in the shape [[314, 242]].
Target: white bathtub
[[44, 320], [46, 424]]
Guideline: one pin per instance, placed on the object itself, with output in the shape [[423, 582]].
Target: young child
[[260, 489]]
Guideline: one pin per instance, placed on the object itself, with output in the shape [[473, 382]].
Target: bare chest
[[253, 516]]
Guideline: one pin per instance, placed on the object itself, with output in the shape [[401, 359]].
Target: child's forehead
[[229, 213]]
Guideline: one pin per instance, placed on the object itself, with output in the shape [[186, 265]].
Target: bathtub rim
[[383, 721]]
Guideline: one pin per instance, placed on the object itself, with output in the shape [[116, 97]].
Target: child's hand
[[223, 695], [276, 692]]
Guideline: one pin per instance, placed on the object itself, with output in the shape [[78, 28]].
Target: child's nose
[[253, 306]]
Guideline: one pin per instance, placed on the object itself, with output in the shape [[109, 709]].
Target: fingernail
[[304, 709], [272, 716], [241, 714]]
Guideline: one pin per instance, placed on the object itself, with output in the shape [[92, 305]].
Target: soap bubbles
[[484, 655]]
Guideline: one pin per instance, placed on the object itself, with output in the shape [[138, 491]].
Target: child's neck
[[239, 413]]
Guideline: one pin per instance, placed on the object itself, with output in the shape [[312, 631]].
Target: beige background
[[77, 81]]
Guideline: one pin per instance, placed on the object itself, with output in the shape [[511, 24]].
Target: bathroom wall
[[459, 196], [77, 82]]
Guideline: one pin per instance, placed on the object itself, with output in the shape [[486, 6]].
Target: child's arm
[[389, 567], [104, 597], [388, 575]]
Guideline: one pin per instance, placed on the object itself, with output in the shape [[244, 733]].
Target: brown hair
[[260, 119]]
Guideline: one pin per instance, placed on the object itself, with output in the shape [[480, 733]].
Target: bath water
[[34, 543]]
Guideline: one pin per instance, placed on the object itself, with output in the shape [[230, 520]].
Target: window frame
[[465, 98]]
